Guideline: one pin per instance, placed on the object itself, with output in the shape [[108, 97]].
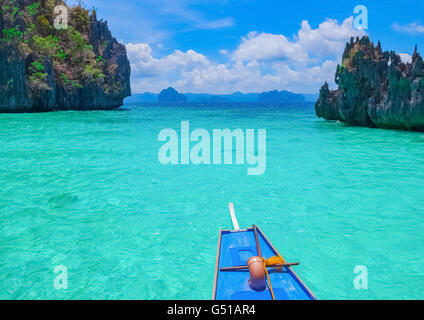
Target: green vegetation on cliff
[[72, 54], [375, 89], [59, 61]]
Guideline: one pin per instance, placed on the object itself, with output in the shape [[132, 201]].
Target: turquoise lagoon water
[[85, 190]]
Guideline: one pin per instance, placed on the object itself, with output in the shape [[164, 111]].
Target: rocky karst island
[[81, 67], [376, 89], [171, 95]]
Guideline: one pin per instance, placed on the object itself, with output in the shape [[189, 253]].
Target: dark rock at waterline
[[327, 104], [171, 95], [43, 69], [375, 89]]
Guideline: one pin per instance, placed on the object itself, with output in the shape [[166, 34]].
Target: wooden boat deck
[[234, 249]]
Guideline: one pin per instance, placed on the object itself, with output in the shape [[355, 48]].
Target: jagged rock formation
[[171, 95], [82, 67], [376, 89], [280, 96]]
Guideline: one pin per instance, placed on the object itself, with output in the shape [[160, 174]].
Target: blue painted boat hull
[[234, 249]]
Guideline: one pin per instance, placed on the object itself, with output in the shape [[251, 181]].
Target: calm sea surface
[[85, 190]]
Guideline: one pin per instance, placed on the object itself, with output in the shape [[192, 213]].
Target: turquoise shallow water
[[85, 190]]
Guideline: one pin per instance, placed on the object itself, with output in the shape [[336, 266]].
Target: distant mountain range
[[280, 96], [171, 95]]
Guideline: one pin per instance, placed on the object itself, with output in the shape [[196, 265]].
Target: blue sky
[[224, 46]]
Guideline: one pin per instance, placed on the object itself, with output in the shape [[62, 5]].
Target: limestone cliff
[[43, 68], [376, 89]]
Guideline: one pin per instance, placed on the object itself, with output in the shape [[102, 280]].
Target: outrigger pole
[[233, 217]]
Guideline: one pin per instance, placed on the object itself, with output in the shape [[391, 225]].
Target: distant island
[[376, 89], [271, 96], [171, 95], [280, 96], [81, 67]]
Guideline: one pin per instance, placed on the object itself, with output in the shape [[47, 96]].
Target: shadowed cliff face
[[45, 69], [376, 89]]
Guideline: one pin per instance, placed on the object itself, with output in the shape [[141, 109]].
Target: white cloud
[[266, 46], [185, 60], [144, 65], [250, 77], [220, 78], [217, 24], [262, 62], [411, 28], [406, 58], [327, 40], [142, 62]]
